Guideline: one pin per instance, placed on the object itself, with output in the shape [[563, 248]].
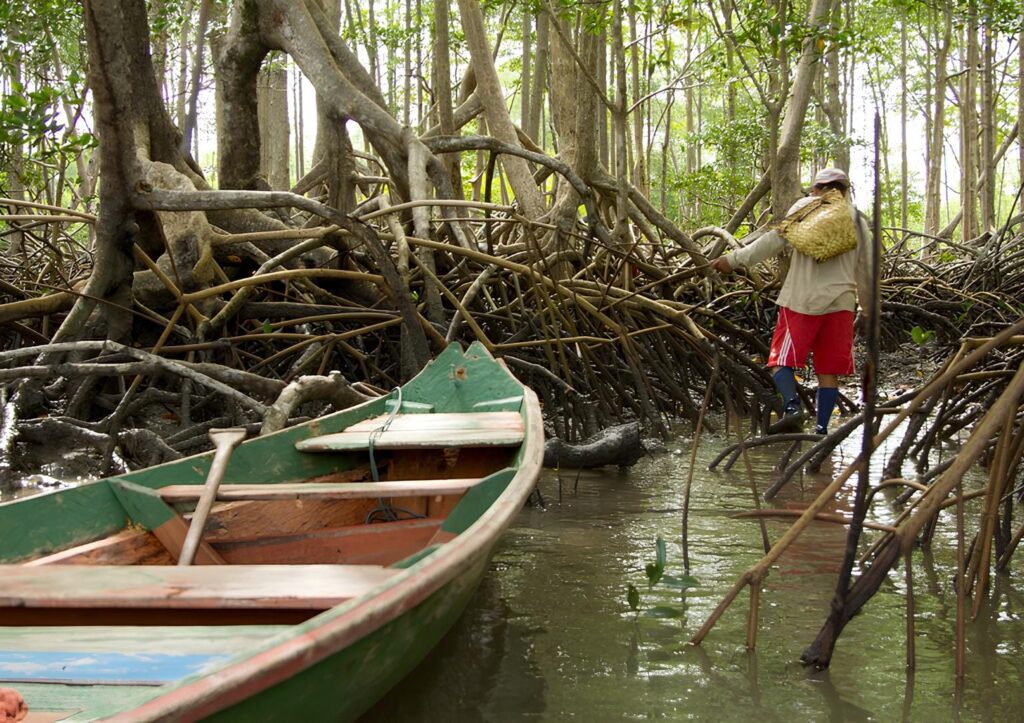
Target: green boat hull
[[337, 664], [345, 685]]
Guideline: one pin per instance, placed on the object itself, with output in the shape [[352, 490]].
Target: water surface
[[549, 636]]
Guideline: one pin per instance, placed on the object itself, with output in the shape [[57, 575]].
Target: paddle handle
[[224, 443]]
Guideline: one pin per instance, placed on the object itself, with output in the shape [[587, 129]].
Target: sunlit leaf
[[654, 572], [920, 336]]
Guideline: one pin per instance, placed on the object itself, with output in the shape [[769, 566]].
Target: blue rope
[[386, 511], [375, 434]]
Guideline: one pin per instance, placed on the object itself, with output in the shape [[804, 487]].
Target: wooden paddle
[[224, 443]]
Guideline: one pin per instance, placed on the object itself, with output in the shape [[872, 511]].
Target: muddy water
[[550, 636]]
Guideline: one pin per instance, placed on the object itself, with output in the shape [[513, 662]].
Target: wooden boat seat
[[424, 431], [77, 589], [323, 490]]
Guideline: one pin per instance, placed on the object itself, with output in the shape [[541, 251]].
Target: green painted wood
[[344, 686], [53, 521], [80, 701], [455, 381], [417, 556], [508, 404], [142, 504], [476, 500], [408, 407]]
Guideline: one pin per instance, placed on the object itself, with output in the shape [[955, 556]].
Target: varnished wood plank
[[381, 543], [427, 431], [418, 438], [324, 491], [443, 422], [145, 508], [128, 547], [234, 520], [172, 536], [315, 587]]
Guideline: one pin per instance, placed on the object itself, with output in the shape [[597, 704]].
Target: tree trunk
[[619, 445], [540, 72], [130, 118], [526, 78], [786, 166], [833, 105], [272, 92], [238, 136], [520, 177], [188, 127], [933, 178], [691, 156], [16, 171], [443, 89], [332, 150], [622, 233], [574, 117], [969, 127], [904, 170], [639, 166], [988, 134], [604, 155], [574, 111]]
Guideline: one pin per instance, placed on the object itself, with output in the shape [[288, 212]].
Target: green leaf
[[654, 572], [633, 597], [267, 328], [920, 336], [662, 552]]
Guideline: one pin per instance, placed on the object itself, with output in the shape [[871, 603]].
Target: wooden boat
[[315, 588]]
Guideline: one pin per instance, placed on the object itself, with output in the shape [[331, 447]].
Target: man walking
[[816, 306]]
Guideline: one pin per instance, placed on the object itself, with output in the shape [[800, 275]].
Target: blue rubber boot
[[826, 402], [792, 419]]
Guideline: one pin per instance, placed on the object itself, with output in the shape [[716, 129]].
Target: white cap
[[831, 175]]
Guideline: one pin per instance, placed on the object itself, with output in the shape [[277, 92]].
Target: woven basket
[[822, 229]]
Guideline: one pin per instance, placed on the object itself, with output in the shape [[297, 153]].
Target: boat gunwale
[[333, 630]]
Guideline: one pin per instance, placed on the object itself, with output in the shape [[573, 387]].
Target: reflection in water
[[462, 679], [839, 707], [550, 636]]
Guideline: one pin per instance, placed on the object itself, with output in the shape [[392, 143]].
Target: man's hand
[[860, 323], [721, 265]]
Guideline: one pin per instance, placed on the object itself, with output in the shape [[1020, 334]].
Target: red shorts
[[828, 336]]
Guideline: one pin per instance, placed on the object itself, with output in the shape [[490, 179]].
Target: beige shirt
[[812, 287]]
